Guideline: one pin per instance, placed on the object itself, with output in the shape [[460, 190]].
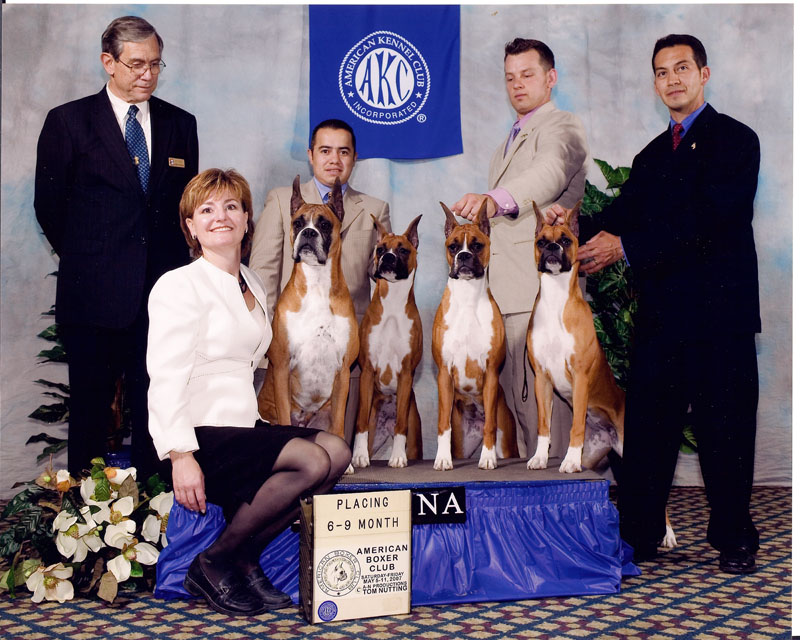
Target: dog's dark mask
[[553, 254]]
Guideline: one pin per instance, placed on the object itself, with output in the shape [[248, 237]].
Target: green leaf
[[102, 490], [136, 569], [70, 507], [43, 437], [25, 499], [64, 388], [50, 413], [51, 333], [155, 485], [97, 462], [52, 450], [56, 354]]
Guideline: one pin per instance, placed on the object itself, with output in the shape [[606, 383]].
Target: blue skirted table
[[527, 534]]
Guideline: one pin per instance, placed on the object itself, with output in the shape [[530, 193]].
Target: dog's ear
[[411, 232], [297, 200], [335, 201], [539, 219], [483, 220], [572, 218], [378, 227], [450, 222]]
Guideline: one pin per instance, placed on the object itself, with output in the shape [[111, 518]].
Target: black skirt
[[236, 461]]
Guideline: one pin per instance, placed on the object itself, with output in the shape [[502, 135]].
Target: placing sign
[[355, 555]]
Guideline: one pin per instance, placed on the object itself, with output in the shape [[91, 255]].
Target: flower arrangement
[[100, 534]]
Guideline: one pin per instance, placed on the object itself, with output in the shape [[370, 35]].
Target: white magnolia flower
[[141, 552], [51, 583], [75, 539], [119, 535], [154, 527], [117, 476], [114, 512]]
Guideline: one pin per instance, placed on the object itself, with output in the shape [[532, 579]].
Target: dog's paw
[[443, 463], [669, 541], [488, 459], [360, 460], [349, 471], [398, 458], [399, 462], [537, 462], [361, 450], [572, 461]]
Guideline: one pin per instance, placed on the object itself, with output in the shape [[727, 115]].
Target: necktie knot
[[677, 129], [512, 136], [133, 111]]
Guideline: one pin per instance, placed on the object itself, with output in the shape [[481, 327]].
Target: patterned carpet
[[679, 595]]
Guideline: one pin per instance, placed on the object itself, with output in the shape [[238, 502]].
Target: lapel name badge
[[177, 162]]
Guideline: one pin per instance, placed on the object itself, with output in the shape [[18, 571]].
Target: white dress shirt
[[121, 107]]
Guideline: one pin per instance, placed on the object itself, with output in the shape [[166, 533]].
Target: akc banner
[[392, 73]]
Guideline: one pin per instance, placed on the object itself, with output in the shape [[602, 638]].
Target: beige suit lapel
[[500, 161], [353, 207]]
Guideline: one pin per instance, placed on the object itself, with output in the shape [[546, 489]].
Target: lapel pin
[[694, 144], [136, 161]]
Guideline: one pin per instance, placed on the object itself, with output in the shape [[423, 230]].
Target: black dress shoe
[[269, 596], [738, 561], [228, 595]]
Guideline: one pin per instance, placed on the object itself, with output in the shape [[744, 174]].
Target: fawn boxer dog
[[469, 348], [314, 329], [565, 355], [391, 348]]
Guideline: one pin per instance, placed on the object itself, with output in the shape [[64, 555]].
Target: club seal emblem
[[338, 573], [384, 79]]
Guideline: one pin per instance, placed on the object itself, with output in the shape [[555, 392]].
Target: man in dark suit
[[110, 172], [684, 222]]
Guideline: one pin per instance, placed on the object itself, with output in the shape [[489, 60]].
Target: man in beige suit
[[332, 155], [544, 160]]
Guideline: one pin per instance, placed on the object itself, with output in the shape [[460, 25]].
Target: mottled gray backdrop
[[243, 71]]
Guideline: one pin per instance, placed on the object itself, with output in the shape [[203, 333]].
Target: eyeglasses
[[139, 67]]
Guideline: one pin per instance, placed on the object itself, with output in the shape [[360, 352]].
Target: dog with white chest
[[566, 356], [315, 334], [469, 349], [391, 348]]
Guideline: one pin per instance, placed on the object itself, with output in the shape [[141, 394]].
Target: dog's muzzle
[[391, 268], [308, 247], [466, 266], [554, 259]]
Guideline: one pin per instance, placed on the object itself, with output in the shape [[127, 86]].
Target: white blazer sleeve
[[175, 315]]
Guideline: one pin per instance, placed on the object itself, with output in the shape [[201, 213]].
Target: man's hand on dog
[[470, 204], [601, 251]]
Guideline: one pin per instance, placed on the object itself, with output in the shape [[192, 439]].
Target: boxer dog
[[469, 348], [565, 355], [391, 348], [314, 329]]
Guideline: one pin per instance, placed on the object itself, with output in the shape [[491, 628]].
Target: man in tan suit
[[332, 155], [543, 160]]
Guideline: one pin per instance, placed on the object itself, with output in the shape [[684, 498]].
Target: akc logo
[[384, 79]]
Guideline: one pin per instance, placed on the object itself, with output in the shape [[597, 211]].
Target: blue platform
[[527, 534]]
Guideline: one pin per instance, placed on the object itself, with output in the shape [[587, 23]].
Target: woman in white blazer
[[208, 332]]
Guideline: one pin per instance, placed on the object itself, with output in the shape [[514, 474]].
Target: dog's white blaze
[[469, 328], [305, 258], [318, 339], [553, 345], [444, 458], [360, 450], [390, 339], [398, 458]]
